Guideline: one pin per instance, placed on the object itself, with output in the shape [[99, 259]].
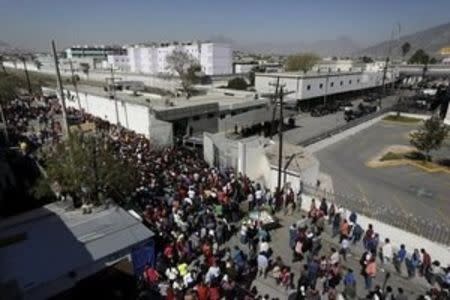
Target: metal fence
[[426, 228]]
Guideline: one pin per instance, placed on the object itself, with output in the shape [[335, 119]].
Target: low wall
[[101, 75], [397, 236]]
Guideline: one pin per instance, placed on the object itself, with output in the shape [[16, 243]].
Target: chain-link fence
[[427, 228]]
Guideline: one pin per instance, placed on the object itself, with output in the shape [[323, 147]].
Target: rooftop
[[225, 99], [311, 74], [49, 243]]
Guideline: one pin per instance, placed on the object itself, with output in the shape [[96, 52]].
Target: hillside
[[341, 46], [431, 40]]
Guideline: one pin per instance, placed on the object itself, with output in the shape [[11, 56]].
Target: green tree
[[186, 67], [419, 57], [406, 47], [366, 59], [433, 60], [237, 83], [87, 167], [430, 136], [301, 62]]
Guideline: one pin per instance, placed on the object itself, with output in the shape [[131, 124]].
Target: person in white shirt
[[345, 244], [387, 252], [213, 272], [264, 247], [263, 264], [334, 257]]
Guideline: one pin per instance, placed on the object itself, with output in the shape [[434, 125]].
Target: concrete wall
[[208, 148], [161, 132], [218, 150], [205, 123], [293, 179], [447, 116], [253, 162], [98, 75], [133, 116]]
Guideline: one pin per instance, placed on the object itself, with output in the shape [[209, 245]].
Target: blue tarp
[[142, 256]]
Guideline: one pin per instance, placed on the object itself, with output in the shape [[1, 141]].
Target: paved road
[[308, 126], [280, 246], [404, 188]]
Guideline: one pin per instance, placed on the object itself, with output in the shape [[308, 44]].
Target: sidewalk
[[280, 241]]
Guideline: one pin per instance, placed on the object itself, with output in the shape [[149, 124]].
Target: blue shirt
[[349, 279], [401, 254]]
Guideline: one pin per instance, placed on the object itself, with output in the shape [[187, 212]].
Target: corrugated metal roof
[[57, 242]]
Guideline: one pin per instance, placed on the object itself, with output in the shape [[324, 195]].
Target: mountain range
[[342, 46], [430, 40]]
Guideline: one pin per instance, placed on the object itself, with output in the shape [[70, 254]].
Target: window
[[308, 87], [342, 83], [222, 116], [321, 86], [210, 116], [332, 84], [349, 82], [357, 81], [196, 118]]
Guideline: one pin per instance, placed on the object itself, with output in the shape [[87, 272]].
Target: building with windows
[[93, 51], [318, 84], [118, 62], [243, 67], [214, 58]]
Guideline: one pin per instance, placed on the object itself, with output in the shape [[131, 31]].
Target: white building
[[317, 84], [118, 62], [243, 67], [214, 59], [93, 51]]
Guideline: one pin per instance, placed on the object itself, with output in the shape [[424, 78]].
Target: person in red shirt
[[214, 292], [426, 262], [202, 291], [169, 251], [151, 276]]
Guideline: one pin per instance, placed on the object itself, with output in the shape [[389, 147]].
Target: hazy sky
[[32, 23]]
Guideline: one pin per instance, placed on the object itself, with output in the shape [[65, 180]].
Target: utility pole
[[280, 140], [274, 102], [279, 94], [75, 85], [112, 93], [383, 83], [24, 61], [61, 92], [326, 87]]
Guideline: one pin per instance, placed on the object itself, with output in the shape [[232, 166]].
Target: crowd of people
[[195, 209]]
